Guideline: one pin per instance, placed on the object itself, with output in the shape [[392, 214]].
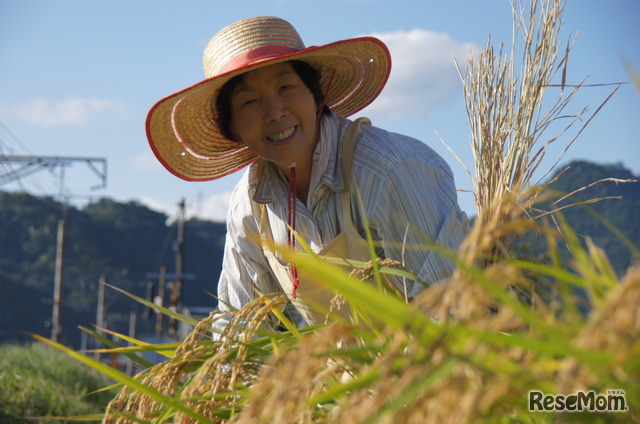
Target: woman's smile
[[282, 137]]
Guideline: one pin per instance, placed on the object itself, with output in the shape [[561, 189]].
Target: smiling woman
[[272, 103]]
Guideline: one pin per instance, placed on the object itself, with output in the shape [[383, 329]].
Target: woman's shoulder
[[381, 150], [240, 200]]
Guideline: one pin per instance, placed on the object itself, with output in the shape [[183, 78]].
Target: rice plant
[[470, 350]]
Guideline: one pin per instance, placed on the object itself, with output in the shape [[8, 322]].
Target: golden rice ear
[[614, 327], [202, 374]]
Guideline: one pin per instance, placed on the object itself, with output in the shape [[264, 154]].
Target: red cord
[[291, 217], [291, 211]]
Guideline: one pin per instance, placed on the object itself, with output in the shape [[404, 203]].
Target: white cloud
[[423, 73], [157, 206], [213, 208], [146, 161], [76, 111]]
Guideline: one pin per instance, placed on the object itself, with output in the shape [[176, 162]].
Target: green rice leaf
[[114, 346], [166, 311]]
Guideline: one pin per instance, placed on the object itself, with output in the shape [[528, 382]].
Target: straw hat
[[181, 127]]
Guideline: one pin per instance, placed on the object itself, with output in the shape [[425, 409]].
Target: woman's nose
[[275, 108]]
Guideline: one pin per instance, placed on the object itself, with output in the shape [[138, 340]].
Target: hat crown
[[241, 38]]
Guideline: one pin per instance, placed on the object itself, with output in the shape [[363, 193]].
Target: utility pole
[[27, 165], [159, 300], [56, 328], [133, 316], [100, 320], [179, 256], [176, 279]]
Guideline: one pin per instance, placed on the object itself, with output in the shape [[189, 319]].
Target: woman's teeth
[[282, 135]]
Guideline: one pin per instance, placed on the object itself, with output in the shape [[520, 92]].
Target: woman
[[280, 107]]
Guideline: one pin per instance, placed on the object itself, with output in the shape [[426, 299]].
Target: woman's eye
[[248, 102]]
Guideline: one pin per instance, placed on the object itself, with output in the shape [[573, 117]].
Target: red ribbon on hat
[[264, 52]]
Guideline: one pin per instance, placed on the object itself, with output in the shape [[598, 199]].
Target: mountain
[[122, 242], [620, 209], [126, 242]]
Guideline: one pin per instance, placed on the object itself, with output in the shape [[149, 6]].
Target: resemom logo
[[581, 401]]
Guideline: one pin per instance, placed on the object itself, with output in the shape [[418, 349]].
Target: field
[[38, 381]]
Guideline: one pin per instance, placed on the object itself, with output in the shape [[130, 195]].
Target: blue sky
[[77, 78]]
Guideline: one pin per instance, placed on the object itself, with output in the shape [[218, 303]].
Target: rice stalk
[[220, 369], [509, 115]]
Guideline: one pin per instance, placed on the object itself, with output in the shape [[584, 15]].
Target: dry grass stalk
[[614, 327], [289, 379], [217, 381], [215, 372], [164, 377], [508, 116], [502, 109]]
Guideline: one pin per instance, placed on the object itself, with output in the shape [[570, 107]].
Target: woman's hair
[[307, 73]]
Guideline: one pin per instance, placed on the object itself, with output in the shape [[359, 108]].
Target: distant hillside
[[126, 241], [121, 241], [623, 214]]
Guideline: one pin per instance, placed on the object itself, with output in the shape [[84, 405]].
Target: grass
[[39, 381], [466, 351]]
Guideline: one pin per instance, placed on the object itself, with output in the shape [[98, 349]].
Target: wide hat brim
[[185, 138]]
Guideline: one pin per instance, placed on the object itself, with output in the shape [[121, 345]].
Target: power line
[[26, 165], [13, 137]]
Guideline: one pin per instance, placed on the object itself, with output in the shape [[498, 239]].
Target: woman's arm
[[245, 270], [416, 208]]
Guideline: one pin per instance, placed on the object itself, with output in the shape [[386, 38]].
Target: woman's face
[[274, 113]]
